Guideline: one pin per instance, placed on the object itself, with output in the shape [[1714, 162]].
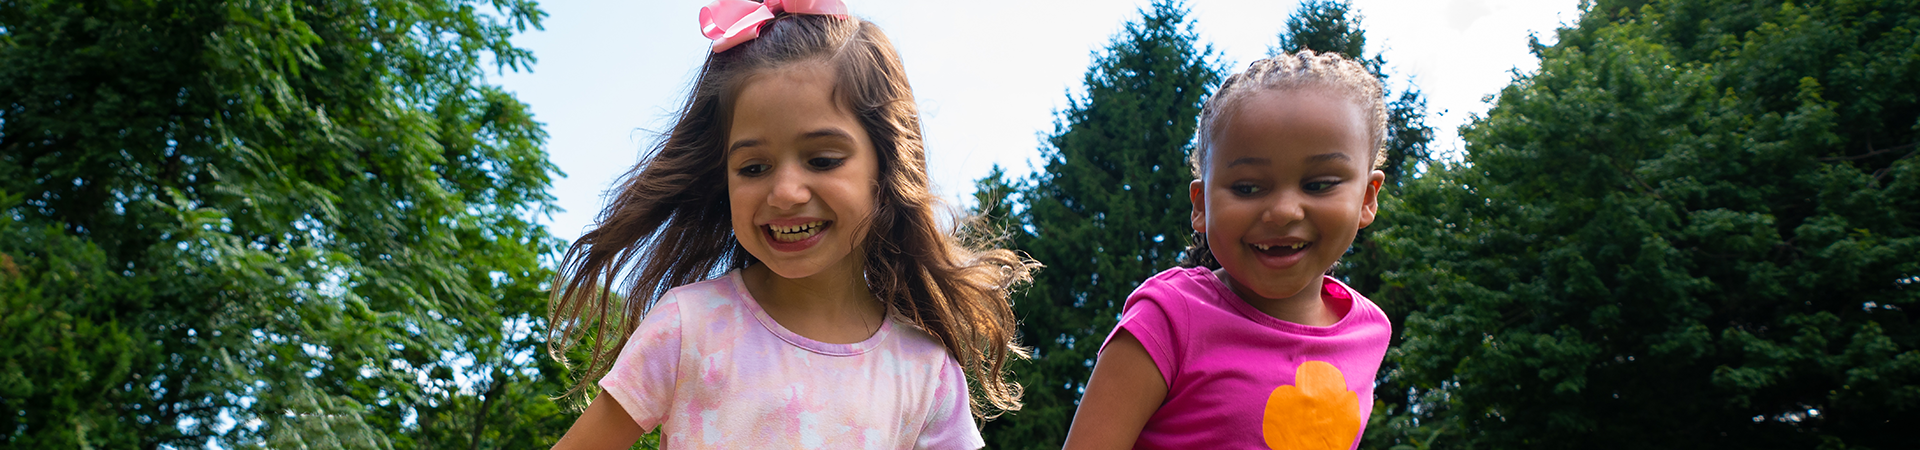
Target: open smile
[[1281, 256], [796, 237], [1280, 250]]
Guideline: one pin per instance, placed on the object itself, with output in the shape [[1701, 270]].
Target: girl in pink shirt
[[1252, 345], [835, 311]]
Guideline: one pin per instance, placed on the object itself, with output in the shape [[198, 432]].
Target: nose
[[789, 188], [1287, 208]]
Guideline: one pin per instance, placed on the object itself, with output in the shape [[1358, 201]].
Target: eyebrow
[[742, 144], [1249, 160], [1324, 157], [827, 133], [1320, 158]]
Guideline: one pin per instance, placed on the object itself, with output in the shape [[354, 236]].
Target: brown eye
[[754, 170], [826, 163]]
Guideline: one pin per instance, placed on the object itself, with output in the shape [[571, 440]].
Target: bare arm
[[605, 425], [1125, 390]]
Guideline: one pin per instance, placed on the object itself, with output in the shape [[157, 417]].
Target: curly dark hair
[[1302, 70]]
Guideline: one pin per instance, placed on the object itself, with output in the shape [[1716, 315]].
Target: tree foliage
[[1695, 226], [1106, 212], [270, 223]]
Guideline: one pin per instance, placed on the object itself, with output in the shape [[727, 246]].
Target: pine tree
[[281, 223], [1107, 211], [1695, 226]]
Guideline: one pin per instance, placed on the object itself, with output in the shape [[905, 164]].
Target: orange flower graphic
[[1316, 413]]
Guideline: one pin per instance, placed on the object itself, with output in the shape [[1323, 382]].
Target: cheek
[[1227, 213], [739, 205], [864, 190], [1222, 229], [1225, 246], [859, 206]]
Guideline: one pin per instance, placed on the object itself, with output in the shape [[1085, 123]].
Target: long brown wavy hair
[[671, 214]]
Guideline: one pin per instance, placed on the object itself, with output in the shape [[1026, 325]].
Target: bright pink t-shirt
[[1239, 378], [713, 370]]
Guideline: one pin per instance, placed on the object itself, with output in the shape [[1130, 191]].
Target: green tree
[[270, 223], [1105, 212], [1695, 226]]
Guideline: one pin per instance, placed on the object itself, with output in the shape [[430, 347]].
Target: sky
[[989, 75]]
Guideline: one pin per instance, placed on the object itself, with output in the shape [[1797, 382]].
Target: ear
[[1197, 193], [1371, 205]]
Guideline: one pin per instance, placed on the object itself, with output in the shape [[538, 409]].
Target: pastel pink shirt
[[1239, 378], [715, 371]]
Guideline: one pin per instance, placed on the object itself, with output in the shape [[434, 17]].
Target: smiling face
[[1284, 188], [800, 173]]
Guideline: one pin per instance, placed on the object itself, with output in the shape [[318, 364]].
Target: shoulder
[[912, 345], [1171, 287], [704, 316], [720, 296], [1159, 311], [1174, 296], [725, 288]]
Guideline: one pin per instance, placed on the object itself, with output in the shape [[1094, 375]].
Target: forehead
[[1292, 125], [789, 100], [810, 82]]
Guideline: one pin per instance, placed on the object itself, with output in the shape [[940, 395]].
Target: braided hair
[[1306, 70]]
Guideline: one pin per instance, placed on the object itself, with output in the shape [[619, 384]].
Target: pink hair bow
[[730, 22]]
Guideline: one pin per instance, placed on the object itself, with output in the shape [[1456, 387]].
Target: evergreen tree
[[282, 223], [1695, 226], [1108, 210], [1328, 26]]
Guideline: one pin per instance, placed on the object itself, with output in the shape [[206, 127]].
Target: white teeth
[[1265, 247], [796, 232]]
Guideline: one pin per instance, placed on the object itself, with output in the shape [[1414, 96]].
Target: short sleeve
[[950, 418], [642, 377], [1149, 323]]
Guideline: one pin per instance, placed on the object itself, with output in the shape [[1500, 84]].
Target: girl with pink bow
[[784, 282]]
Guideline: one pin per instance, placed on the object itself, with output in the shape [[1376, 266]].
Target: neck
[[834, 288], [832, 306], [1304, 307]]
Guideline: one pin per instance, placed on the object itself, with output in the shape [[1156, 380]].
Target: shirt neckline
[[766, 321], [1328, 286]]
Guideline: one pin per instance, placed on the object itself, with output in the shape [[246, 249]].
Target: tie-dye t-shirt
[[1239, 378], [713, 370]]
